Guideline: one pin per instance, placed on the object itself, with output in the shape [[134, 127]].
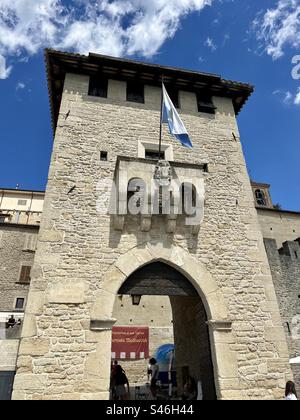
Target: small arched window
[[260, 198], [188, 198], [136, 192]]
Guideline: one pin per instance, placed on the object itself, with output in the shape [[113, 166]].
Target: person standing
[[11, 322], [120, 380], [189, 389], [148, 373], [290, 392], [154, 368]]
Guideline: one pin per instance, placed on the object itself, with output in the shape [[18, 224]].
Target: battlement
[[290, 249]]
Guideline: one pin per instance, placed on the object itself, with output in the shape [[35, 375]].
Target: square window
[[135, 92], [205, 104], [22, 202], [103, 156], [98, 86], [20, 303]]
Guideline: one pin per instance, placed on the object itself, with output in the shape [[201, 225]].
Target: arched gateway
[[201, 323], [192, 343]]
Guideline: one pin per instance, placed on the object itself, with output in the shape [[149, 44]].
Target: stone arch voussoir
[[175, 256]]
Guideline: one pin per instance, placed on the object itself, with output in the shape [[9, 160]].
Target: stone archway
[[224, 361], [189, 323]]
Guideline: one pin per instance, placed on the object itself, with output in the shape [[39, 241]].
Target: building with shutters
[[216, 294], [20, 216]]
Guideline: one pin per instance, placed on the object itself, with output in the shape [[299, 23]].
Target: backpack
[[123, 379]]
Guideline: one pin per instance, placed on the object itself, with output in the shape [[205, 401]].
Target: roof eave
[[58, 63]]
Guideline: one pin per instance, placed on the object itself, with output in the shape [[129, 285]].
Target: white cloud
[[115, 27], [210, 44], [20, 86], [4, 71], [287, 97], [279, 27], [297, 98]]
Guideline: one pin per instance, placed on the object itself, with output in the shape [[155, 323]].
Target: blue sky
[[246, 41]]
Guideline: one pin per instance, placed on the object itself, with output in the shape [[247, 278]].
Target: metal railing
[[20, 217], [11, 333]]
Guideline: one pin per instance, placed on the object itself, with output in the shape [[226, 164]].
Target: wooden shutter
[[25, 274]]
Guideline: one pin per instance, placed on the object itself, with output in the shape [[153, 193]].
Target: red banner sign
[[130, 343]]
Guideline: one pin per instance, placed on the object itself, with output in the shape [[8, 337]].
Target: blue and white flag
[[172, 118]]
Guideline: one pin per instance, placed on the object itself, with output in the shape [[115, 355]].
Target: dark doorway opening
[[190, 330]]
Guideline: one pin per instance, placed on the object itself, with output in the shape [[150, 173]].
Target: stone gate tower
[[105, 114]]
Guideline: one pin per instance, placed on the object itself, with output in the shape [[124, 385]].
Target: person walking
[[290, 392], [154, 368]]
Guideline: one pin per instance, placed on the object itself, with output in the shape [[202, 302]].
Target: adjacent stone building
[[20, 215], [212, 273]]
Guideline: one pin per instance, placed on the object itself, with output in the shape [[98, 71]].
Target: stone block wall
[[79, 251], [8, 354], [12, 256], [192, 344], [285, 268], [279, 225]]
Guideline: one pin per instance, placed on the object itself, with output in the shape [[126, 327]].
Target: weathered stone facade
[[279, 225], [82, 261], [285, 267], [14, 253]]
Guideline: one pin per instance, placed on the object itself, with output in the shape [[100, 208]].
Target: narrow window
[[296, 255], [189, 198], [103, 156], [153, 154], [25, 274], [205, 103], [2, 219], [135, 92], [174, 95], [20, 303], [98, 86], [135, 195]]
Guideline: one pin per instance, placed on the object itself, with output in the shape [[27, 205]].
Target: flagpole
[[161, 115]]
